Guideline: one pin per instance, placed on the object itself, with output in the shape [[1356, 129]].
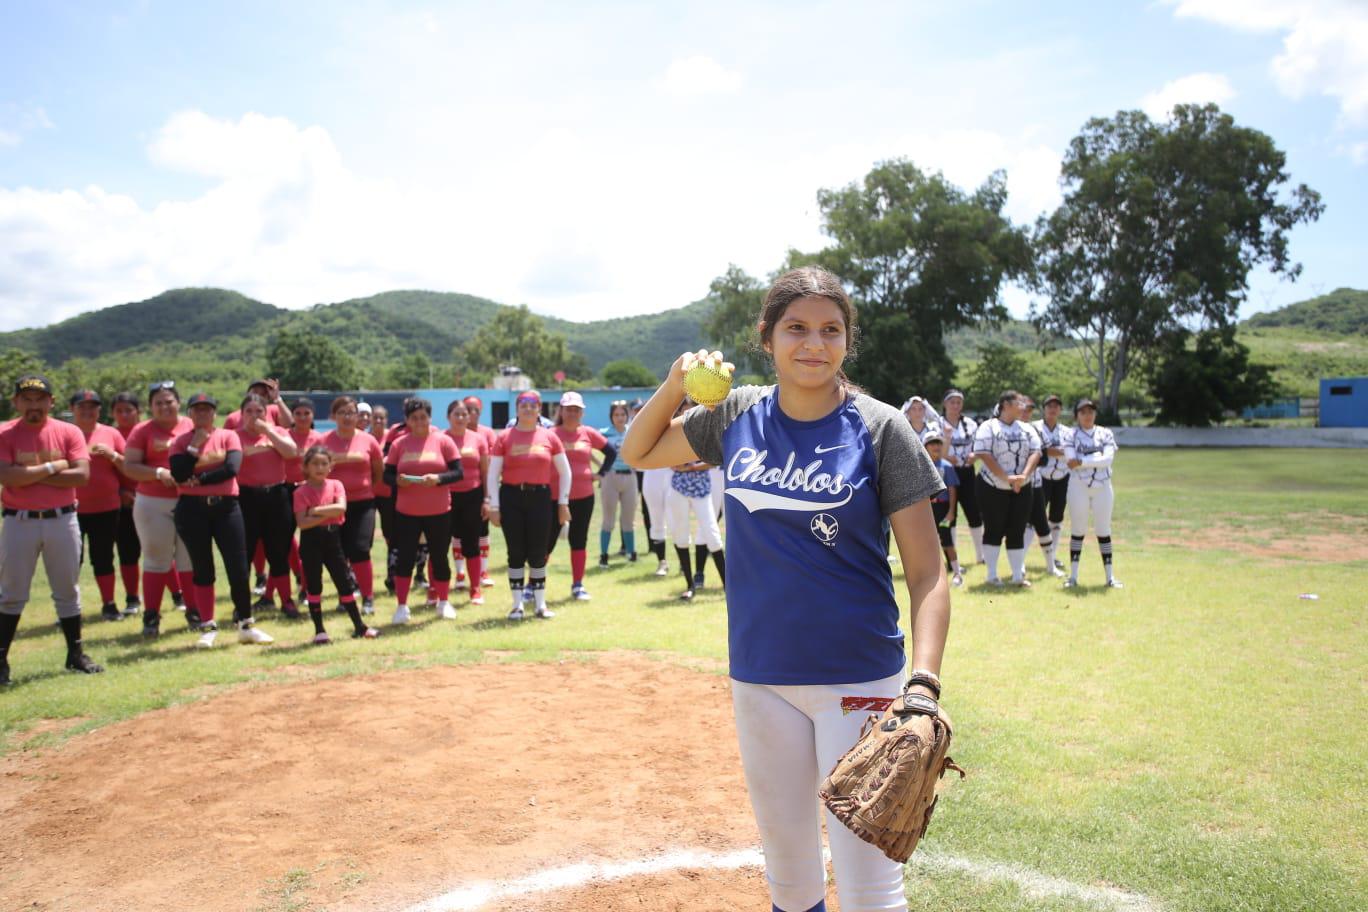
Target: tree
[[518, 336], [108, 381], [628, 372], [410, 372], [1159, 228], [921, 258], [304, 360], [15, 363], [999, 369], [1197, 384], [736, 298]]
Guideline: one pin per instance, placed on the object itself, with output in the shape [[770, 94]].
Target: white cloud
[[1325, 44], [1198, 88], [689, 77], [9, 138]]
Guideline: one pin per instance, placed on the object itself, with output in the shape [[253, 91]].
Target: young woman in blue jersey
[[1008, 449], [618, 488], [813, 469], [1089, 454], [959, 452]]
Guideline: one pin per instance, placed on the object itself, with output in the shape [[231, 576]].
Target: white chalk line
[[1033, 884]]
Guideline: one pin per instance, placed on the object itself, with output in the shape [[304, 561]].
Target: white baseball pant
[[654, 485], [1089, 501]]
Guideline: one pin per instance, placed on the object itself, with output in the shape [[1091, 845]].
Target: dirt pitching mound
[[381, 792]]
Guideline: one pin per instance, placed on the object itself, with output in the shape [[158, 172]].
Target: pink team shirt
[[294, 468], [221, 442], [422, 456], [473, 448], [102, 493], [234, 419], [352, 462], [262, 464], [53, 440], [155, 444], [579, 449], [529, 456], [331, 492]]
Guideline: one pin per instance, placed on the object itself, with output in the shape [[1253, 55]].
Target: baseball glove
[[884, 788]]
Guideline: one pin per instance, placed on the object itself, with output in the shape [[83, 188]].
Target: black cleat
[[4, 673], [83, 663], [132, 605], [178, 599], [699, 580], [192, 618], [151, 626], [290, 610], [111, 612]]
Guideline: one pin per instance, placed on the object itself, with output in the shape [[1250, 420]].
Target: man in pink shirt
[[42, 462]]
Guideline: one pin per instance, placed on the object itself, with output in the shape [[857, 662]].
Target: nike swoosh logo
[[819, 449], [754, 500]]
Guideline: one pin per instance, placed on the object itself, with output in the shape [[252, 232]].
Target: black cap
[[1083, 403], [86, 396], [201, 399], [265, 383], [304, 402], [1053, 398], [31, 383]]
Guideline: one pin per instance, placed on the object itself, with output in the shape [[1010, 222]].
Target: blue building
[[499, 405], [1344, 402]]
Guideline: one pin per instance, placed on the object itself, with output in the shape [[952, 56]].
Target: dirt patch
[[375, 793], [44, 728], [1318, 547]]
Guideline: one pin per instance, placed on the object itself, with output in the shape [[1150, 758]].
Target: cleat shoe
[[1114, 584], [368, 606], [110, 612], [1057, 571], [369, 633], [446, 611], [321, 639], [4, 673], [290, 610], [208, 633], [460, 582], [401, 615], [192, 618], [663, 569], [603, 562], [83, 663], [516, 614], [686, 596], [476, 596], [303, 596], [178, 600], [254, 635], [260, 587], [957, 579], [1022, 583], [1071, 583], [579, 593], [486, 580], [151, 626], [631, 558], [263, 604], [698, 581], [1059, 565], [545, 613], [132, 605]]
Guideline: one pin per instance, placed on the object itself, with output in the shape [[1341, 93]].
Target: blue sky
[[596, 159]]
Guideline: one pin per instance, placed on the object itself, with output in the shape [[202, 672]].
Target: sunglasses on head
[[161, 385]]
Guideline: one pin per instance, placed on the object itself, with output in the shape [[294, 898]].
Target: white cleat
[[445, 611], [368, 606], [545, 613], [516, 614], [254, 635], [1057, 572], [579, 593], [663, 569], [1021, 582], [1114, 584], [206, 638], [1071, 583], [957, 579], [401, 615]]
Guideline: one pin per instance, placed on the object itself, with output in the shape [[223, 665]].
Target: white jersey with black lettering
[[1010, 445], [1052, 468], [1095, 448]]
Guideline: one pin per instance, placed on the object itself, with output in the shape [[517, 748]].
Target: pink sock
[[154, 586], [204, 601], [187, 589], [130, 579], [106, 583], [441, 589], [577, 562], [173, 582], [280, 584], [401, 588], [475, 565], [365, 578]]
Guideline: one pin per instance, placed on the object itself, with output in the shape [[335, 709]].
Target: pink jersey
[[330, 492], [473, 449], [234, 419], [529, 456], [101, 494], [262, 464], [155, 443], [211, 456], [579, 449], [426, 455], [294, 468], [352, 457], [23, 445]]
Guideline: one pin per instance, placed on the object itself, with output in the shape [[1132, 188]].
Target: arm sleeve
[[703, 428], [906, 473], [1103, 459], [609, 457], [232, 462], [453, 474], [562, 463], [182, 466], [492, 481]]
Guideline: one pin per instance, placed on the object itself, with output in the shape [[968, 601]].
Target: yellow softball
[[707, 382]]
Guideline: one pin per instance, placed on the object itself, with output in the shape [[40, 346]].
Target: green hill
[[1343, 311]]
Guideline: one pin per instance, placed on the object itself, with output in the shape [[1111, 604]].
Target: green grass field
[[1197, 737]]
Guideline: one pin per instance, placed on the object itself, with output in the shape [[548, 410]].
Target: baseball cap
[[32, 383], [572, 399], [363, 407], [951, 394], [265, 383], [933, 438], [202, 399], [86, 396], [304, 402], [1053, 398], [1085, 403]]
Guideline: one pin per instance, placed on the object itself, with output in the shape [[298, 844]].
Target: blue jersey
[[809, 592], [950, 476], [615, 437]]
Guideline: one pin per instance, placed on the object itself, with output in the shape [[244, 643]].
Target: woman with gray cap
[[959, 452]]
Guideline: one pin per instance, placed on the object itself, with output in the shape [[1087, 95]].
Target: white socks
[[976, 533], [1016, 559], [990, 557]]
